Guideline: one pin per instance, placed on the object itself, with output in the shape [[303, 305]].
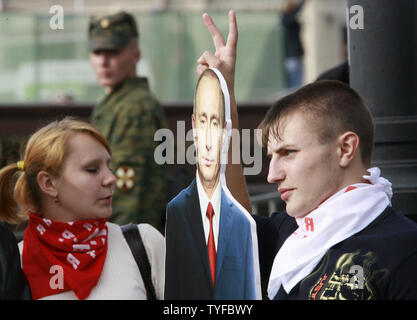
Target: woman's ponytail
[[8, 205]]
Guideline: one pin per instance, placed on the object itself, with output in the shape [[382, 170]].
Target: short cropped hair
[[330, 104]]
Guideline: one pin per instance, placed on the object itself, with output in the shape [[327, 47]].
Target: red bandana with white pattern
[[62, 256]]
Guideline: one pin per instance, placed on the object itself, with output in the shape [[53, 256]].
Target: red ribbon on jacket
[[62, 256]]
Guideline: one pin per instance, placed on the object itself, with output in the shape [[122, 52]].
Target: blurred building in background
[[40, 64]]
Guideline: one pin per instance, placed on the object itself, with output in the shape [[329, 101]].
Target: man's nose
[[208, 138], [275, 172]]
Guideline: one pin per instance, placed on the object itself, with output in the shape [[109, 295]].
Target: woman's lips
[[107, 200]]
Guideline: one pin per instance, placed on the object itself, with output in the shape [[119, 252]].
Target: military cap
[[111, 32]]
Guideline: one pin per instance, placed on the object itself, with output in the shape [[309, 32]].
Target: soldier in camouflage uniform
[[128, 116]]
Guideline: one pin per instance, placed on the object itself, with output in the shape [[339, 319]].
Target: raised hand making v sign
[[224, 59]]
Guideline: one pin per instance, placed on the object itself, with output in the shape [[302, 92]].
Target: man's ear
[[347, 147], [46, 184], [194, 130], [224, 138]]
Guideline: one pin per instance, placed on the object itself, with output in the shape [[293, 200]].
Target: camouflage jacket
[[128, 117]]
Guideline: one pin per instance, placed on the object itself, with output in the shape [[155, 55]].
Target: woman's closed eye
[[92, 170]]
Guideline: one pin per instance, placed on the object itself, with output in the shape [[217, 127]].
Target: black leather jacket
[[13, 283]]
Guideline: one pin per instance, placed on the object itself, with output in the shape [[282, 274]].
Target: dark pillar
[[383, 69]]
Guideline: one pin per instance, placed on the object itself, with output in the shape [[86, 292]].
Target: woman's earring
[[56, 200]]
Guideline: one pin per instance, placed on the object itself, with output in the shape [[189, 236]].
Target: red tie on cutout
[[211, 248]]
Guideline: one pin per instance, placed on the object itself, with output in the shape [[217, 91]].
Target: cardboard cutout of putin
[[211, 243]]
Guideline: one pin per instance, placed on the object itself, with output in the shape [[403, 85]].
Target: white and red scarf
[[62, 256], [342, 215]]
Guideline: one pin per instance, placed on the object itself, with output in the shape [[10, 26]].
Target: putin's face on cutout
[[208, 124]]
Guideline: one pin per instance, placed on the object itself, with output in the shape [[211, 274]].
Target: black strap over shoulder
[[133, 238]]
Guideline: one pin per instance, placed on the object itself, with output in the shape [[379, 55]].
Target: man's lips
[[285, 193], [207, 161]]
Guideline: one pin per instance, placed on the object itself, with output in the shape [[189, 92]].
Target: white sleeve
[[20, 246], [154, 244]]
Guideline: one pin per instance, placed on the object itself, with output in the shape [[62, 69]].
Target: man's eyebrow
[[279, 149], [202, 114]]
